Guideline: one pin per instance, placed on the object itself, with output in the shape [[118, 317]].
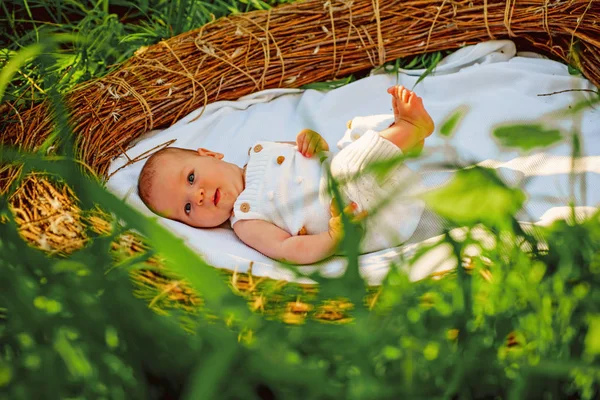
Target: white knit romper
[[291, 191], [285, 188]]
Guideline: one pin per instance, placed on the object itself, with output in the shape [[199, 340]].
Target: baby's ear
[[207, 153]]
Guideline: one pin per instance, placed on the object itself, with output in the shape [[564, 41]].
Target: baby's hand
[[336, 226], [310, 143]]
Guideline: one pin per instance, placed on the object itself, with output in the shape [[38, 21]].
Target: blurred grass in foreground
[[516, 324]]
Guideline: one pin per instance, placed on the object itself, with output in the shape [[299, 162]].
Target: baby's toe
[[405, 94], [413, 99]]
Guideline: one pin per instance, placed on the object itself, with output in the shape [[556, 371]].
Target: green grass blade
[[527, 136], [436, 59], [17, 61], [451, 123], [329, 85], [37, 34]]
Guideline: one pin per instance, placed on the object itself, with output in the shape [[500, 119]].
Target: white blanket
[[493, 82]]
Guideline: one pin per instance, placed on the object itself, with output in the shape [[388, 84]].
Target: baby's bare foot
[[410, 113]]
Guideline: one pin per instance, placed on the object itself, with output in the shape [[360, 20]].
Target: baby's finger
[[350, 208], [360, 216], [305, 144], [300, 140], [312, 146], [333, 208], [335, 223], [335, 227]]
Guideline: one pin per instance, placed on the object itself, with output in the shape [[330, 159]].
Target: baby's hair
[[146, 178]]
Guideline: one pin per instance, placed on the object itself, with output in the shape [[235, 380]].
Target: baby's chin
[[220, 222]]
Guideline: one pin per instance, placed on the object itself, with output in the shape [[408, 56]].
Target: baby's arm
[[278, 244]]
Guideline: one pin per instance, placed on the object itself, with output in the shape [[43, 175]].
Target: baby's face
[[196, 188]]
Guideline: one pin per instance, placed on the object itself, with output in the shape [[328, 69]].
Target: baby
[[280, 202]]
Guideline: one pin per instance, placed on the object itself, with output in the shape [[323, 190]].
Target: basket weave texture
[[288, 46]]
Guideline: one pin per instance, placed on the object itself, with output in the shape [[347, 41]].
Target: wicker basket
[[288, 46]]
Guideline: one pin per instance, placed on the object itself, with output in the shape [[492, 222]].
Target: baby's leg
[[412, 122], [357, 126]]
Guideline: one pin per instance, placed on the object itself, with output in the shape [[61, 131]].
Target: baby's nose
[[200, 196]]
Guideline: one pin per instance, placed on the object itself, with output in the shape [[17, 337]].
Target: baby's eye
[[187, 208], [191, 178]]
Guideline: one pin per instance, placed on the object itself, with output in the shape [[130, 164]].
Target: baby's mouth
[[217, 197]]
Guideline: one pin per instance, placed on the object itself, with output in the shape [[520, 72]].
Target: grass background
[[515, 324]]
